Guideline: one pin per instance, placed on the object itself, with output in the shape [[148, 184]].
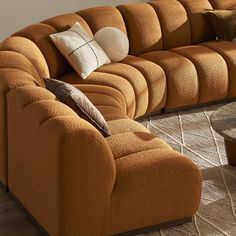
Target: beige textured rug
[[190, 133]]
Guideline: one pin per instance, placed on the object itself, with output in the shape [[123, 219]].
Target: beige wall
[[16, 14]]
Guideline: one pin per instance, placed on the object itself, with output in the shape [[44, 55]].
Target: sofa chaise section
[[88, 184]]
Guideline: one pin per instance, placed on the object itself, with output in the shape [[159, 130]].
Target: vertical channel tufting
[[174, 23], [64, 22], [39, 34], [223, 4], [28, 49], [99, 17], [201, 30], [143, 27]]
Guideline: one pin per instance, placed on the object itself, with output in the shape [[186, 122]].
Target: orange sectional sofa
[[71, 179]]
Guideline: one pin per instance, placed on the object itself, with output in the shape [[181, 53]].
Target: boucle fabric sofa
[[71, 179]]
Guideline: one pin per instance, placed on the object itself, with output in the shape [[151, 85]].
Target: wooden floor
[[13, 221]]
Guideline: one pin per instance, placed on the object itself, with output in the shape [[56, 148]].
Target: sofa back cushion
[[201, 30], [223, 4], [158, 25], [174, 23], [99, 17], [143, 27], [39, 34], [66, 21]]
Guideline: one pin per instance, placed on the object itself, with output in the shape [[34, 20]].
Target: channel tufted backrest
[[158, 25], [64, 22], [143, 27], [223, 4], [201, 31], [174, 23], [29, 50], [99, 17], [39, 34]]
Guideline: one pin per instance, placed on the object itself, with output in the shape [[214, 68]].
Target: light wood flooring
[[13, 221]]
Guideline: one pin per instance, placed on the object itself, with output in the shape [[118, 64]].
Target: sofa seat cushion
[[182, 79], [117, 88], [157, 186], [137, 81], [109, 101], [155, 78], [111, 113], [125, 125], [211, 69], [228, 51], [124, 144], [103, 96]]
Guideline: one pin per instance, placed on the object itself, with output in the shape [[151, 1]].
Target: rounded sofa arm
[[60, 167], [15, 71]]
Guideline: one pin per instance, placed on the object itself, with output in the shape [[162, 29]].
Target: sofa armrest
[[15, 70], [60, 167]]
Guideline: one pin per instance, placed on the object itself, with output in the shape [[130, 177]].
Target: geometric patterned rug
[[190, 133]]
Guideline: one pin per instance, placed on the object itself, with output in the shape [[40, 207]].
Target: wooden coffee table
[[223, 121]]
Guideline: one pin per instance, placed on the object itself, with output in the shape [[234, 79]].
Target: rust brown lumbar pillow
[[77, 100], [223, 22]]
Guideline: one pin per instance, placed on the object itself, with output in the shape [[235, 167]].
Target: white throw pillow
[[114, 42], [80, 49]]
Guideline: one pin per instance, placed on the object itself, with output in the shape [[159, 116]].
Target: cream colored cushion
[[80, 49], [114, 42]]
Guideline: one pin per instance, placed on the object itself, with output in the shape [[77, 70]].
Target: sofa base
[[156, 227], [3, 186], [133, 232], [169, 110], [28, 214]]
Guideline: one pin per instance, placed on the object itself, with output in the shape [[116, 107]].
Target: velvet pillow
[[223, 22], [76, 100]]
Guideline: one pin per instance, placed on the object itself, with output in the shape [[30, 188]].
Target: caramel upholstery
[[64, 22], [29, 50], [118, 126], [211, 76], [129, 197], [174, 23], [39, 34], [88, 184], [155, 79], [182, 79], [146, 28], [99, 17], [226, 4], [137, 81], [44, 117], [227, 50], [201, 31], [128, 143], [114, 81], [15, 70]]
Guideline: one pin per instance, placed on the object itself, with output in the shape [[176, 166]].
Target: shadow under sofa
[[71, 179]]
